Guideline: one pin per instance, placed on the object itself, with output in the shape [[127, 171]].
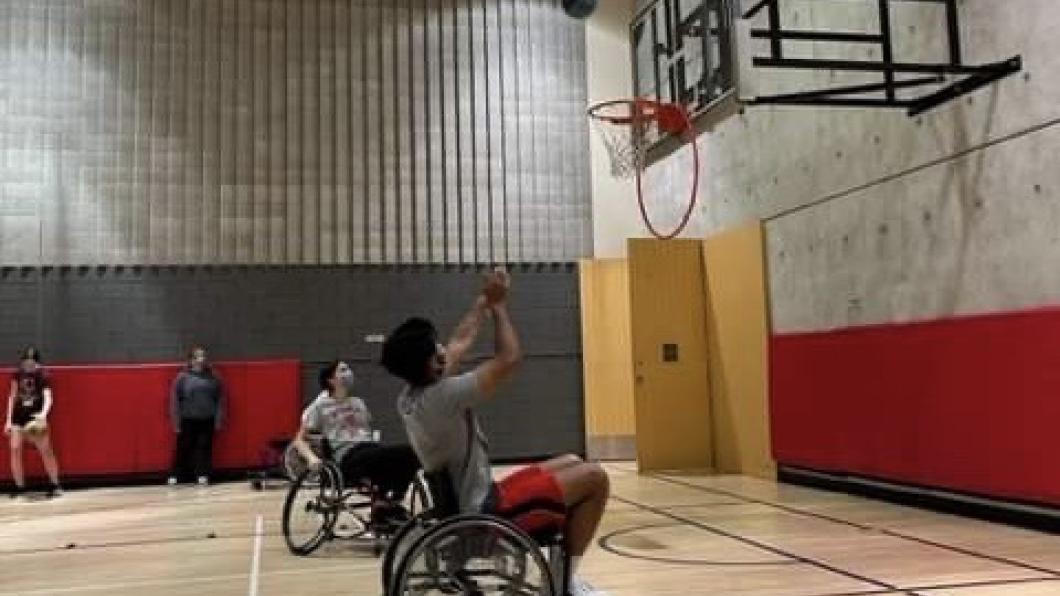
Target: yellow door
[[608, 370], [671, 388]]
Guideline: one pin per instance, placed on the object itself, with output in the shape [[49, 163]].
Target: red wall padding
[[114, 419], [969, 404]]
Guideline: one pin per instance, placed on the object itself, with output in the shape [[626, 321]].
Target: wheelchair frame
[[419, 537], [335, 501]]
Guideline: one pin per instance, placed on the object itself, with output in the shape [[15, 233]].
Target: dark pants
[[194, 448], [390, 468]]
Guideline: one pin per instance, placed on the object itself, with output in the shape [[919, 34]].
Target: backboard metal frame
[[729, 84], [956, 77], [711, 24]]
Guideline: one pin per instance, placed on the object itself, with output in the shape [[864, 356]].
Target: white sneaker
[[204, 481], [580, 587], [171, 481]]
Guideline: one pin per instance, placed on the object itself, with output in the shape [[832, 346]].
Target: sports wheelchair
[[321, 505], [441, 551]]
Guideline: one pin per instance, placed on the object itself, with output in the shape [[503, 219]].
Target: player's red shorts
[[532, 498]]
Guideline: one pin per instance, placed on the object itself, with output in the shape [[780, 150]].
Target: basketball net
[[625, 148], [623, 126]]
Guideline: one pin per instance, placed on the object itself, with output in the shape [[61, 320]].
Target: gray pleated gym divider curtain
[[291, 132]]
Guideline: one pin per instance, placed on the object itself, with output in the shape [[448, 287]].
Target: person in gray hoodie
[[196, 410]]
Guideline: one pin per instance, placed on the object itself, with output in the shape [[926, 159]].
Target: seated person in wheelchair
[[437, 407], [345, 423]]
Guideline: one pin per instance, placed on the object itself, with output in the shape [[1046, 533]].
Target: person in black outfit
[[196, 410], [28, 405]]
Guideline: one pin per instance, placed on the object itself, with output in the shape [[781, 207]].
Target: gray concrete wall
[[315, 314], [291, 132], [876, 217]]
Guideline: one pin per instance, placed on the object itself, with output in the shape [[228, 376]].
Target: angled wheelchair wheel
[[310, 510], [474, 554], [385, 528], [399, 546]]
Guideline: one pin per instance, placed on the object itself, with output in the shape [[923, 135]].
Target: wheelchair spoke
[[309, 512], [477, 556]]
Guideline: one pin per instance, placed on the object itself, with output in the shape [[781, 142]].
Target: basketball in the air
[[579, 9]]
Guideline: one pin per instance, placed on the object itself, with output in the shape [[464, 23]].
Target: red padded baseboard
[[112, 420], [969, 404]]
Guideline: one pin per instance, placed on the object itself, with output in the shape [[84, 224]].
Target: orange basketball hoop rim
[[622, 123]]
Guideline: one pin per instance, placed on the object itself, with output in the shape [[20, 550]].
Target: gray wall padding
[[88, 315]]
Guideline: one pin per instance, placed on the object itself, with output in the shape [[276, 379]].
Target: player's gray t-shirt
[[345, 423], [444, 432]]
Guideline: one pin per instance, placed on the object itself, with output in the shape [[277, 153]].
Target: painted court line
[[877, 584], [1052, 573], [184, 581], [255, 562]]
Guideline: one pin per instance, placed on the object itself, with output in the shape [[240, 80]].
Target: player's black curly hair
[[408, 350]]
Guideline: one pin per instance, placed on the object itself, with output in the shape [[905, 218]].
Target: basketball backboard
[[684, 52]]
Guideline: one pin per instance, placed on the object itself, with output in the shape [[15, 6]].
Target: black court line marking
[[14, 519], [884, 531], [918, 590], [865, 593], [708, 505], [982, 584], [886, 587], [214, 499], [605, 544], [130, 543], [163, 527], [701, 505]]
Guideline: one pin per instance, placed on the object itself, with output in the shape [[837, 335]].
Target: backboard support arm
[[962, 78]]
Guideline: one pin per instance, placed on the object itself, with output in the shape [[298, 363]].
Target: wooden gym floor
[[662, 535]]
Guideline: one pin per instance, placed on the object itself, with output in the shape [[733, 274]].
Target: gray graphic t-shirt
[[344, 423], [444, 432]]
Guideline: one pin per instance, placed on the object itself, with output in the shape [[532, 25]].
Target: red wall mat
[[268, 412], [970, 404], [111, 420], [155, 439], [230, 445]]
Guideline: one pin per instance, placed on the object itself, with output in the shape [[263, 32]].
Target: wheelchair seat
[[542, 520], [326, 452]]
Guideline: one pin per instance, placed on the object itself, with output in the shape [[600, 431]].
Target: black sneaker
[[17, 492], [54, 492]]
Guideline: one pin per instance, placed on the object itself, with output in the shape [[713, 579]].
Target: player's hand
[[314, 463], [498, 284], [8, 428]]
